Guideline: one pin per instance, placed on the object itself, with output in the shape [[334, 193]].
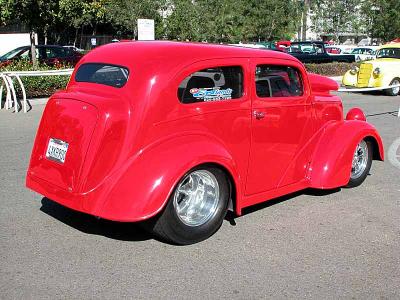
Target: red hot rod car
[[178, 133]]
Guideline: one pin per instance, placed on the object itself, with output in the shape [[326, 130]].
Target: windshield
[[12, 53], [305, 48], [388, 53], [362, 51]]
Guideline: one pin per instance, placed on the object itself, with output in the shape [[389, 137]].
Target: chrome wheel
[[360, 160], [196, 198]]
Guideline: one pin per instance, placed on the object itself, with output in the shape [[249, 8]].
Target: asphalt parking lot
[[339, 244]]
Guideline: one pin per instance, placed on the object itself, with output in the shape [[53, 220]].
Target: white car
[[364, 53]]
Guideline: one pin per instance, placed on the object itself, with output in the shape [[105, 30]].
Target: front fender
[[143, 188], [331, 161], [349, 79]]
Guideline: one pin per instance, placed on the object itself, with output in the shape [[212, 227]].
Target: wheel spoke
[[196, 198], [360, 160]]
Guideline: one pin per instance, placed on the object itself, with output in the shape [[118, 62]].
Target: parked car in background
[[345, 49], [48, 54], [380, 72], [179, 133], [333, 50], [364, 53], [314, 52], [74, 48], [283, 45]]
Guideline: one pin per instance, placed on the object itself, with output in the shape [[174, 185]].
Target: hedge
[[41, 86], [330, 69]]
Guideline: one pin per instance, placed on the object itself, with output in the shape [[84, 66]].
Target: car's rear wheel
[[361, 164], [196, 208], [394, 91]]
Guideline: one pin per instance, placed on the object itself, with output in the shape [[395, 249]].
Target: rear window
[[110, 75], [212, 84]]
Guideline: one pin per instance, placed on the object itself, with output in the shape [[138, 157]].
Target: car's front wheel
[[394, 91], [196, 208], [361, 164]]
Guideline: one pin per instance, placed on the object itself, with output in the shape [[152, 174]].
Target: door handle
[[258, 115]]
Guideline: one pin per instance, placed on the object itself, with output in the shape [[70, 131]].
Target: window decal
[[211, 94], [212, 85]]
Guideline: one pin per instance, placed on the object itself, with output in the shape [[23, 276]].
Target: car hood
[[384, 62]]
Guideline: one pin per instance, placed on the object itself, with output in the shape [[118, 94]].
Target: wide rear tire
[[196, 208]]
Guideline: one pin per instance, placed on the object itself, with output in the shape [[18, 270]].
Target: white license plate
[[57, 150]]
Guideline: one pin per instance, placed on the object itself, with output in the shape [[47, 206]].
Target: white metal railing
[[8, 79]]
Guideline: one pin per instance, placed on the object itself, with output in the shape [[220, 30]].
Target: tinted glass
[[55, 52], [212, 84], [278, 81], [111, 75], [13, 53], [305, 48], [388, 53]]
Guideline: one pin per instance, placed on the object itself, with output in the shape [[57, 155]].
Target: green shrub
[[330, 69], [40, 86]]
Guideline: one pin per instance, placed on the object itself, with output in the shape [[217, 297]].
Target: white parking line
[[394, 153]]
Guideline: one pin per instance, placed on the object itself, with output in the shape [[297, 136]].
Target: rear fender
[[143, 188], [331, 162]]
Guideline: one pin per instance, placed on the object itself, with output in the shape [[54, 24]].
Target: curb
[[38, 101]]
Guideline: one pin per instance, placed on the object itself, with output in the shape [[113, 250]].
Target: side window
[[25, 54], [55, 52], [278, 81], [212, 84]]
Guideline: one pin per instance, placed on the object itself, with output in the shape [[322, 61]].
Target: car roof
[[365, 47], [393, 45], [42, 46], [308, 42], [49, 46], [167, 52]]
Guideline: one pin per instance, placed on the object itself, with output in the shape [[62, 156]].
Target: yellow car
[[380, 72]]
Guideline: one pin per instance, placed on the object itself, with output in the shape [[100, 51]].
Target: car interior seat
[[196, 82]]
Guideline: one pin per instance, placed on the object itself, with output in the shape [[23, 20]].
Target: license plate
[[56, 150]]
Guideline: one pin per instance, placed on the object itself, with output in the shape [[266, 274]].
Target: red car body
[[129, 146], [333, 50]]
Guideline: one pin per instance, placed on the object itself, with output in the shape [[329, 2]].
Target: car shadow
[[125, 231], [85, 223], [230, 217]]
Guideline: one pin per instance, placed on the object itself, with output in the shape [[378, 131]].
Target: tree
[[6, 11], [231, 21], [38, 15], [71, 13], [382, 18], [269, 20], [183, 20], [336, 17], [123, 14]]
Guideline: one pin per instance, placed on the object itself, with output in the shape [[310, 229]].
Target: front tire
[[361, 164], [196, 208], [394, 91]]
